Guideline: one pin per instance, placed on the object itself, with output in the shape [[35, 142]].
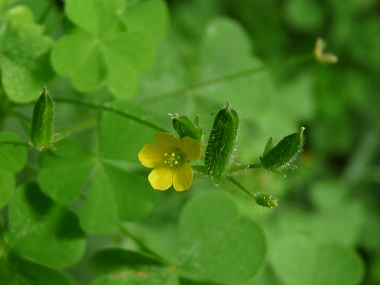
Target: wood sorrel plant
[[89, 181]]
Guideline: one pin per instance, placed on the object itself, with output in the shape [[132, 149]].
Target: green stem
[[112, 110], [141, 245], [237, 168], [228, 77], [241, 187]]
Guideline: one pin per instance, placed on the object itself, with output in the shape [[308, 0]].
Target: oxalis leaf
[[103, 50], [42, 230], [18, 271], [115, 188], [216, 243], [331, 263], [25, 64], [121, 266]]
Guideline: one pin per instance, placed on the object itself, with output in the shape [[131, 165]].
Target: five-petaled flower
[[170, 159]]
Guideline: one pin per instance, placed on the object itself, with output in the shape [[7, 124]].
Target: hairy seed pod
[[284, 152], [43, 121], [221, 143], [266, 200], [185, 128]]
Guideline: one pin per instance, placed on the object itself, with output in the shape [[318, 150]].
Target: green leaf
[[85, 63], [8, 184], [42, 230], [99, 214], [18, 271], [218, 244], [116, 259], [94, 16], [120, 266], [68, 160], [25, 61], [150, 16], [331, 263], [12, 158], [116, 188], [144, 276], [105, 52]]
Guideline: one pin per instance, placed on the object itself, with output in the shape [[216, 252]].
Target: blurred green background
[[329, 206]]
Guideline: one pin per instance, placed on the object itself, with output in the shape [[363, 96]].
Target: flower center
[[173, 158]]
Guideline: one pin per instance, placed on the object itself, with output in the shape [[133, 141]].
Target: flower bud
[[221, 143], [284, 152], [185, 128], [41, 134]]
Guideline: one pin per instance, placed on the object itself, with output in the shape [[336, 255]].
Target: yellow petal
[[151, 155], [167, 141], [183, 177], [161, 178], [191, 147]]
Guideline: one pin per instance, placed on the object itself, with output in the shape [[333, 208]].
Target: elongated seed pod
[[221, 143], [185, 128], [284, 152], [41, 134]]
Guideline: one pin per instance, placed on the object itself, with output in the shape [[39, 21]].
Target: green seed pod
[[221, 143], [185, 128], [284, 152], [41, 134], [266, 200]]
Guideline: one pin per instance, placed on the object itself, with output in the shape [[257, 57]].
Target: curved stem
[[241, 187], [112, 110], [228, 77], [142, 245]]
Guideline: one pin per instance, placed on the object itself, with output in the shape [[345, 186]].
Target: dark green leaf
[[42, 230]]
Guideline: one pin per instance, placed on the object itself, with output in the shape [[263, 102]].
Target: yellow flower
[[170, 159]]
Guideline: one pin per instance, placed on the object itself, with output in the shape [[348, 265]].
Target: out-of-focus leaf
[[120, 266], [18, 271], [298, 259], [216, 243], [12, 157], [8, 183]]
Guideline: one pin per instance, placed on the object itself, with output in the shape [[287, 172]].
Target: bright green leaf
[[25, 61], [150, 16], [94, 16], [218, 244], [85, 63], [8, 184], [298, 259], [42, 230], [18, 271], [12, 158], [108, 53]]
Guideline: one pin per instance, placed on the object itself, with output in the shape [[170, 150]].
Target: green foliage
[[81, 210], [24, 50], [42, 230], [105, 48], [210, 226]]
